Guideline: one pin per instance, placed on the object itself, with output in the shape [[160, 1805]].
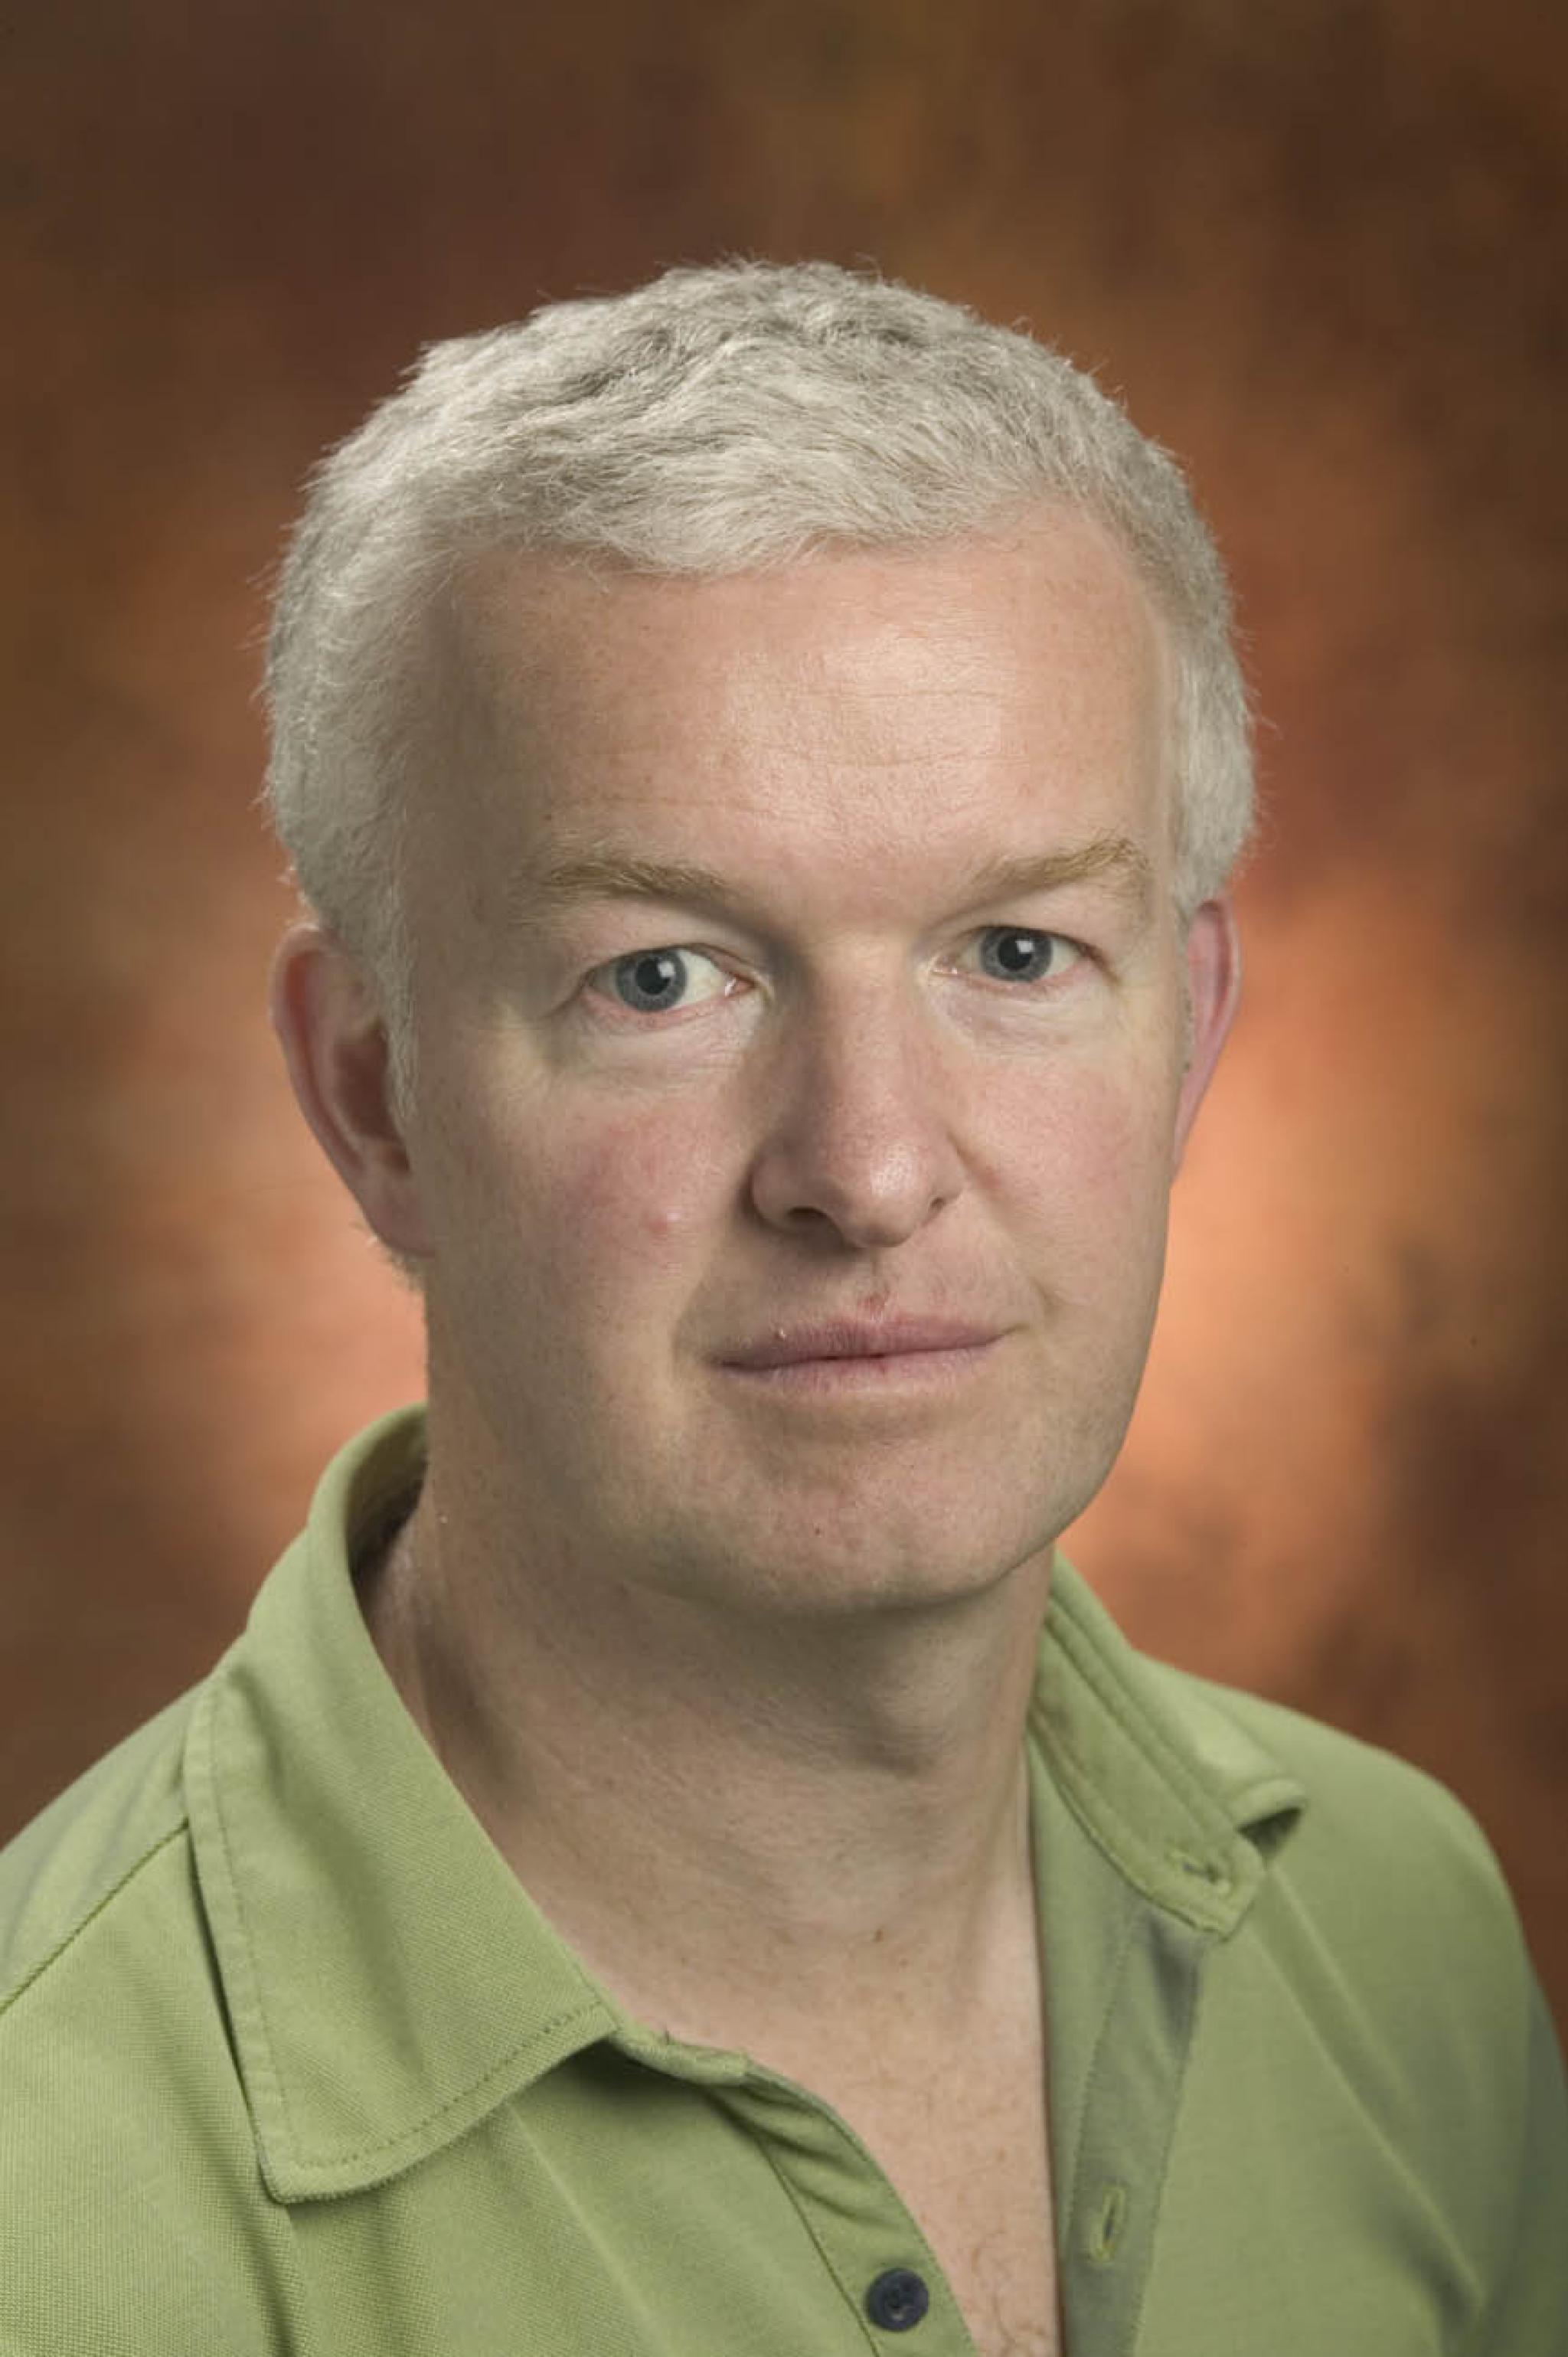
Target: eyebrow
[[613, 875]]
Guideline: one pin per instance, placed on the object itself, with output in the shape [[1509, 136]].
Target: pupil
[[1017, 952], [651, 979]]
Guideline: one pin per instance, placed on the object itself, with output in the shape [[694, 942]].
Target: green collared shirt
[[289, 2061]]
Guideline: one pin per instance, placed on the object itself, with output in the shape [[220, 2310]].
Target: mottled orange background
[[1319, 248]]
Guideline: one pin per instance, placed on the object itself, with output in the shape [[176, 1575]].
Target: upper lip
[[843, 1338]]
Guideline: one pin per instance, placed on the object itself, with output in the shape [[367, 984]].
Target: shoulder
[[1387, 1925], [126, 2161], [1383, 1908], [1349, 1829], [1385, 1870], [1384, 1972], [88, 1848]]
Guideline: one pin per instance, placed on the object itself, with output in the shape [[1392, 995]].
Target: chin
[[928, 1553]]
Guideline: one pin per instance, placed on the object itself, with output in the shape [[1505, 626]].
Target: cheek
[[625, 1195], [1092, 1150]]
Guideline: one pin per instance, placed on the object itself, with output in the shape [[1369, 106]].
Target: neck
[[752, 1828]]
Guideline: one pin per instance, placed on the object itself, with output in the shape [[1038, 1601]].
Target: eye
[[1019, 954], [654, 982]]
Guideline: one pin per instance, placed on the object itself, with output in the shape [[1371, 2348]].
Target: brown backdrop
[[1318, 247]]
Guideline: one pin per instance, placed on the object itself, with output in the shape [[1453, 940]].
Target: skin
[[733, 1667]]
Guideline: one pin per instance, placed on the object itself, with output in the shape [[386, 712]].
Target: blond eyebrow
[[1113, 859], [621, 876], [612, 875]]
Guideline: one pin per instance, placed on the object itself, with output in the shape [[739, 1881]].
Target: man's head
[[716, 421], [808, 755]]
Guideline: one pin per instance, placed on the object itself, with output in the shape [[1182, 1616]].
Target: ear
[[335, 1045], [1213, 959]]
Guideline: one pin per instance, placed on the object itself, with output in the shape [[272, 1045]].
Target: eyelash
[[645, 1016]]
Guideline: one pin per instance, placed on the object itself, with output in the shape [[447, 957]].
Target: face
[[803, 1062]]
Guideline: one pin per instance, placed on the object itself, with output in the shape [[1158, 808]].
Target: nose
[[858, 1142]]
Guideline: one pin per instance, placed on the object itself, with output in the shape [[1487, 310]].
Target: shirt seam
[[204, 1733], [385, 2147], [14, 1996]]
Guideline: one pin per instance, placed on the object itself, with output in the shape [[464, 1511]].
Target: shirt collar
[[390, 1982], [1187, 1804]]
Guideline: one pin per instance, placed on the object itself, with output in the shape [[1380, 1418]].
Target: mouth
[[849, 1355]]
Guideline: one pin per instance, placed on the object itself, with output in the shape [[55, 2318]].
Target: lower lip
[[891, 1370]]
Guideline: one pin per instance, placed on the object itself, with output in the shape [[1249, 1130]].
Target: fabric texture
[[290, 2062]]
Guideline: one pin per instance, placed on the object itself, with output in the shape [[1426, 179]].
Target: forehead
[[863, 701]]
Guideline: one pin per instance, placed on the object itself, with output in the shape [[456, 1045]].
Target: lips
[[845, 1338]]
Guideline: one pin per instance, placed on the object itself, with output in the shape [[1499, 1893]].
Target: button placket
[[1134, 2092], [872, 2244]]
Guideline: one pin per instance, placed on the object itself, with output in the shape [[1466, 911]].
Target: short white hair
[[718, 420]]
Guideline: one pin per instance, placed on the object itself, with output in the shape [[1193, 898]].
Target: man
[[676, 1863]]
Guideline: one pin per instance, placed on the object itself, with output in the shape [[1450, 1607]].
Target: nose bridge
[[859, 1131]]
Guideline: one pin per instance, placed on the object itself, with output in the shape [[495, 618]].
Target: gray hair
[[716, 421]]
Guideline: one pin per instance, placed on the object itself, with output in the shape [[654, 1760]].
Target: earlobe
[[1213, 960], [334, 1047]]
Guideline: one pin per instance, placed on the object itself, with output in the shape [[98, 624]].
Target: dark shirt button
[[897, 2299]]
